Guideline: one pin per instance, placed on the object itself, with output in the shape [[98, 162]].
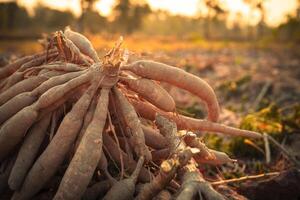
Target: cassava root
[[73, 126]]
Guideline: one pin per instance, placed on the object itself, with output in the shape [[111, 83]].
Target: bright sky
[[276, 10]]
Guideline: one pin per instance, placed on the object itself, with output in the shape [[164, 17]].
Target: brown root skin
[[193, 183], [82, 43], [160, 155], [152, 92], [167, 172], [38, 60], [129, 164], [163, 195], [169, 167], [217, 158], [16, 104], [54, 81], [150, 190], [22, 100], [87, 120], [12, 132], [23, 86], [103, 166], [169, 129], [148, 111], [58, 92], [75, 54], [180, 78], [8, 165], [60, 66], [97, 190], [207, 156], [12, 67], [192, 141], [61, 102], [133, 122], [153, 138], [12, 80], [124, 189], [87, 155], [28, 152], [52, 157], [49, 73], [56, 117], [214, 158]]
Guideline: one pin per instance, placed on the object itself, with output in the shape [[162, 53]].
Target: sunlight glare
[[276, 10]]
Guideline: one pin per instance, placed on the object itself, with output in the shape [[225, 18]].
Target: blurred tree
[[215, 11], [298, 10], [13, 17], [258, 5], [86, 6], [93, 22], [289, 31], [90, 20], [50, 19], [128, 17], [160, 22]]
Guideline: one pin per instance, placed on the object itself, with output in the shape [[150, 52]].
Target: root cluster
[[76, 126]]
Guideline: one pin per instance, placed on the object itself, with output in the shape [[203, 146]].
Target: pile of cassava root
[[76, 126]]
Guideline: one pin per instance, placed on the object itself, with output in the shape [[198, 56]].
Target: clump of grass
[[234, 87]]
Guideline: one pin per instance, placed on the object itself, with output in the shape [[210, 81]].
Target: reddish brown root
[[160, 155], [16, 104], [152, 92], [23, 86], [57, 80], [22, 100], [60, 66], [163, 195], [97, 190], [28, 152], [12, 67], [12, 80], [82, 43], [181, 79], [129, 163], [192, 141], [153, 138], [193, 183], [38, 60], [186, 123], [49, 161], [133, 122], [58, 92], [167, 172], [169, 129], [12, 132], [124, 189], [87, 155], [87, 120], [103, 166], [6, 166]]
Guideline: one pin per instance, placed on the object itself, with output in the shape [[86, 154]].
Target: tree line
[[129, 16]]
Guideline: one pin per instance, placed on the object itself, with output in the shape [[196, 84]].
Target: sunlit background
[[205, 20], [276, 10]]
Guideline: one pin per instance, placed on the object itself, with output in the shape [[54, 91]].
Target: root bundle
[[67, 113]]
